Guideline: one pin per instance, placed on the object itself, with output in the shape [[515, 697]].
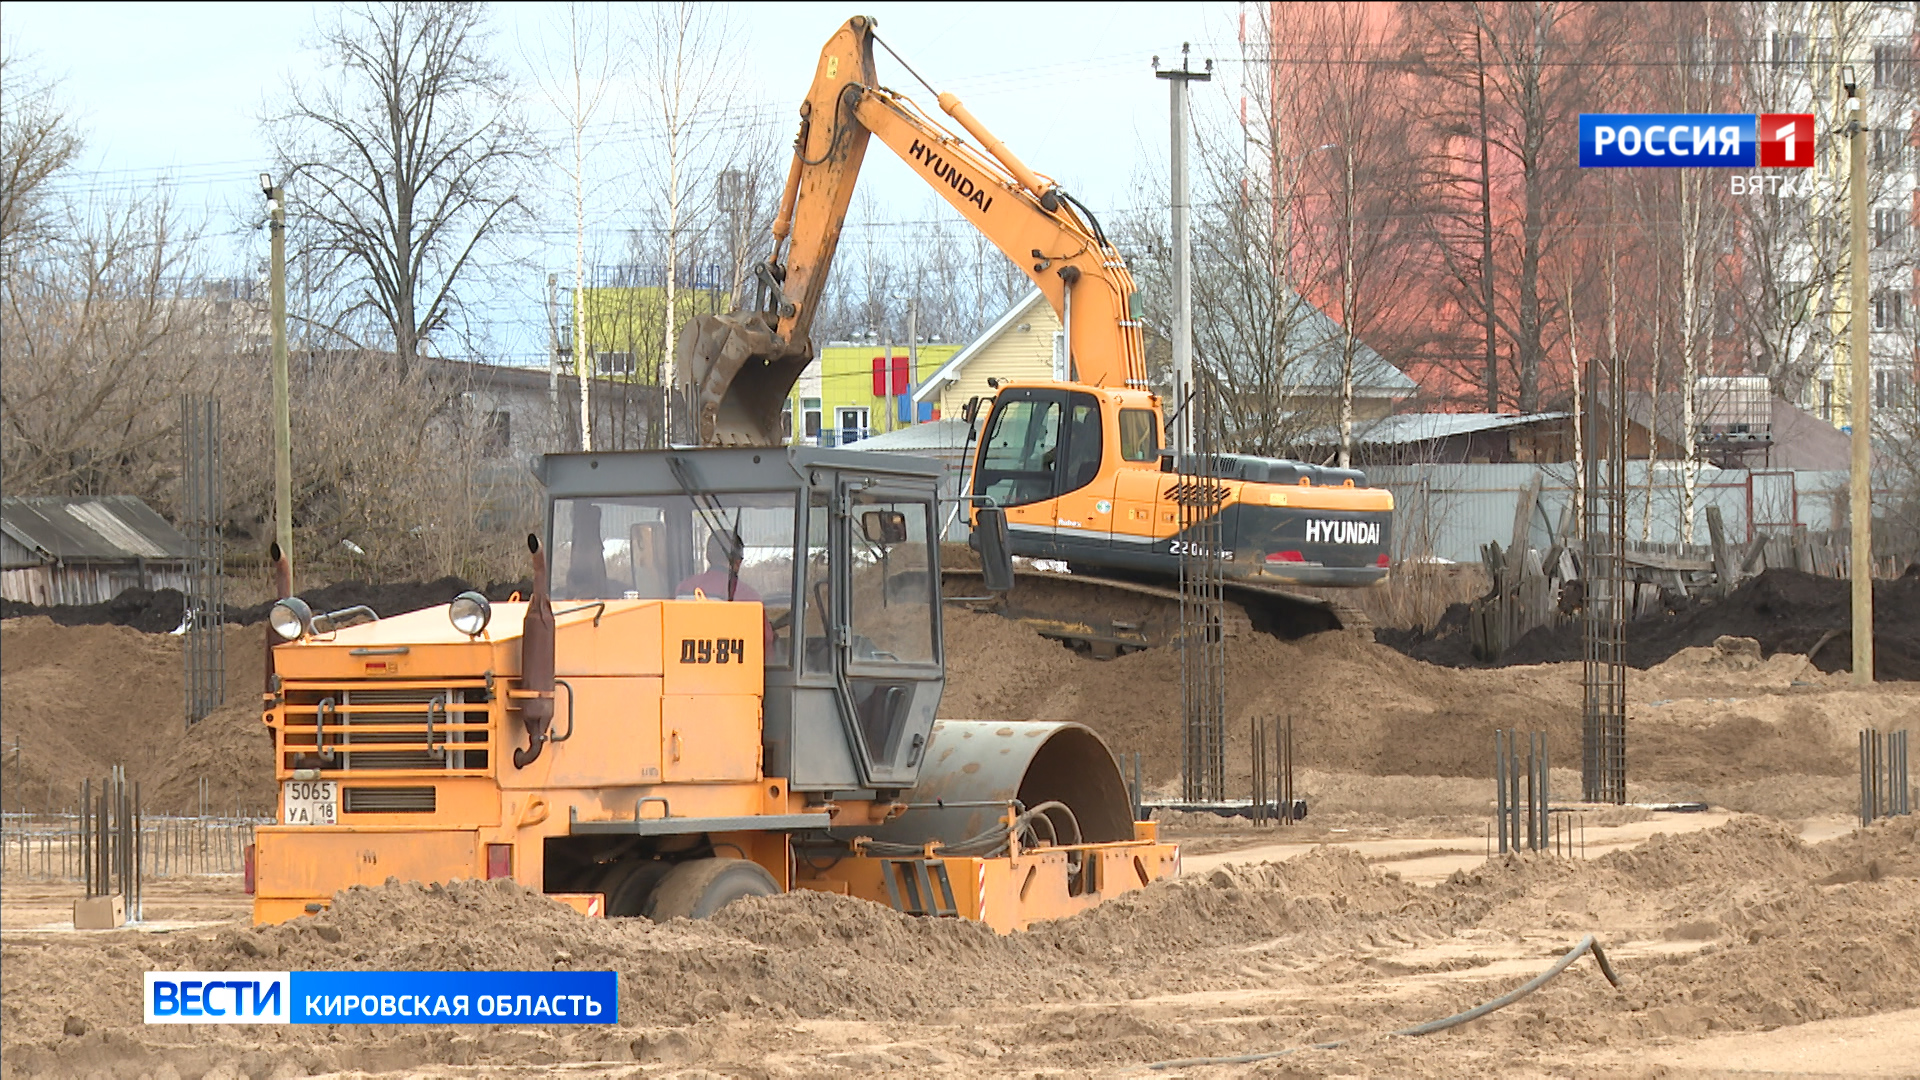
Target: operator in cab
[[721, 579]]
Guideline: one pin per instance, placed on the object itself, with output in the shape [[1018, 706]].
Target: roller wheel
[[698, 888], [629, 883]]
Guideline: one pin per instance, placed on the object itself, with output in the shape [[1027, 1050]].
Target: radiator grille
[[368, 728], [387, 800]]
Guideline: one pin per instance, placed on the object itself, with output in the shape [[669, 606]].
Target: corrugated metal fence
[[1449, 511]]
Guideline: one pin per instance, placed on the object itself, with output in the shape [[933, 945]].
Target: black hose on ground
[[1588, 944]]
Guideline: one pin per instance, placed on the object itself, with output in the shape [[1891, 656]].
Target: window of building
[[786, 422], [496, 433], [1892, 67], [614, 363], [1890, 310], [1889, 227], [1889, 148], [1826, 399], [810, 419], [1789, 48]]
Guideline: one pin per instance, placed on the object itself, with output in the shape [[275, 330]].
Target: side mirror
[[996, 555], [884, 527], [971, 409], [1167, 460]]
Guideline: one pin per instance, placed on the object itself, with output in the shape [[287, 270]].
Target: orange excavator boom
[[735, 370]]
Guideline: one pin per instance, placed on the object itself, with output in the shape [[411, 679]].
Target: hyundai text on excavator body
[[726, 687], [1080, 467]]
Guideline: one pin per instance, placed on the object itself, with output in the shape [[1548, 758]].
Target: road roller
[[725, 681]]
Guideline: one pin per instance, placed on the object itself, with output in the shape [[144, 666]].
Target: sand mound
[[1761, 931], [1356, 706], [232, 751], [82, 699]]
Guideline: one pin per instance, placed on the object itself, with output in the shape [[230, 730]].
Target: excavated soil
[[1700, 725], [1785, 610], [1724, 933], [81, 699], [1738, 929]]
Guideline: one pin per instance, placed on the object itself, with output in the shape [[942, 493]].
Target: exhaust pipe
[[283, 588], [536, 662]]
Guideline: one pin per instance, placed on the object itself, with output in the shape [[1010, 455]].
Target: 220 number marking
[[713, 650], [1188, 547]]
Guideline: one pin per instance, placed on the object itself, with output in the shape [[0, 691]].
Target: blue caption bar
[[1666, 140], [456, 997], [383, 997]]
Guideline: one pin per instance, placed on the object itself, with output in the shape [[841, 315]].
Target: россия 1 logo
[[1694, 140]]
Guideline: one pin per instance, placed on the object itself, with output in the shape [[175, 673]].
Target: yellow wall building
[[835, 400], [1024, 344]]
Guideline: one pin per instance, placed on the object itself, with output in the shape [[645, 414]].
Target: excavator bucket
[[734, 372]]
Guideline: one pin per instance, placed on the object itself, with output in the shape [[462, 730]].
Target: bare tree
[[401, 162], [1369, 182], [574, 79], [102, 328], [102, 318], [1515, 75], [687, 57], [38, 140]]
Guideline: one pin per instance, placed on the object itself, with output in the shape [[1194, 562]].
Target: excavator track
[[1107, 617]]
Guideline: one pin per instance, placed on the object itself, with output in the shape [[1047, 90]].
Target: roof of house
[[1402, 429], [1317, 344], [97, 528], [950, 370], [947, 435]]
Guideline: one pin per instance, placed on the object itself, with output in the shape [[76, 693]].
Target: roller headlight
[[291, 619], [470, 612]]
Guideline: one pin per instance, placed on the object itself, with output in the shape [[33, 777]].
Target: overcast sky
[[175, 90]]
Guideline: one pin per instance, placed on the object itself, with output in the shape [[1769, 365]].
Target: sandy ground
[[1745, 950], [1767, 936]]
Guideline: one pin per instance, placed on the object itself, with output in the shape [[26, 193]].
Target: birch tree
[[688, 61], [574, 76]]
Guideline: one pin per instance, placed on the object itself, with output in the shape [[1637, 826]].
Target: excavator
[[1080, 468]]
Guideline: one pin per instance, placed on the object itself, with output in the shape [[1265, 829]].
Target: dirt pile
[[1738, 928], [160, 611], [1356, 706], [1785, 610], [81, 699]]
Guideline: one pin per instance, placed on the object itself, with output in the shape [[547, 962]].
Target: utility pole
[[1177, 80], [1860, 400], [553, 363], [282, 420]]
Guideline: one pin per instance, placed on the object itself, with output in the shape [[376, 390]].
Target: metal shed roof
[[97, 528], [1403, 428], [925, 437]]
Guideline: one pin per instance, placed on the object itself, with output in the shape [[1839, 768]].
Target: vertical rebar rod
[[1500, 785], [1513, 784], [1287, 773], [86, 851], [1866, 782], [1257, 739]]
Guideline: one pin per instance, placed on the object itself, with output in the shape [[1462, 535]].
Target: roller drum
[[982, 764]]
